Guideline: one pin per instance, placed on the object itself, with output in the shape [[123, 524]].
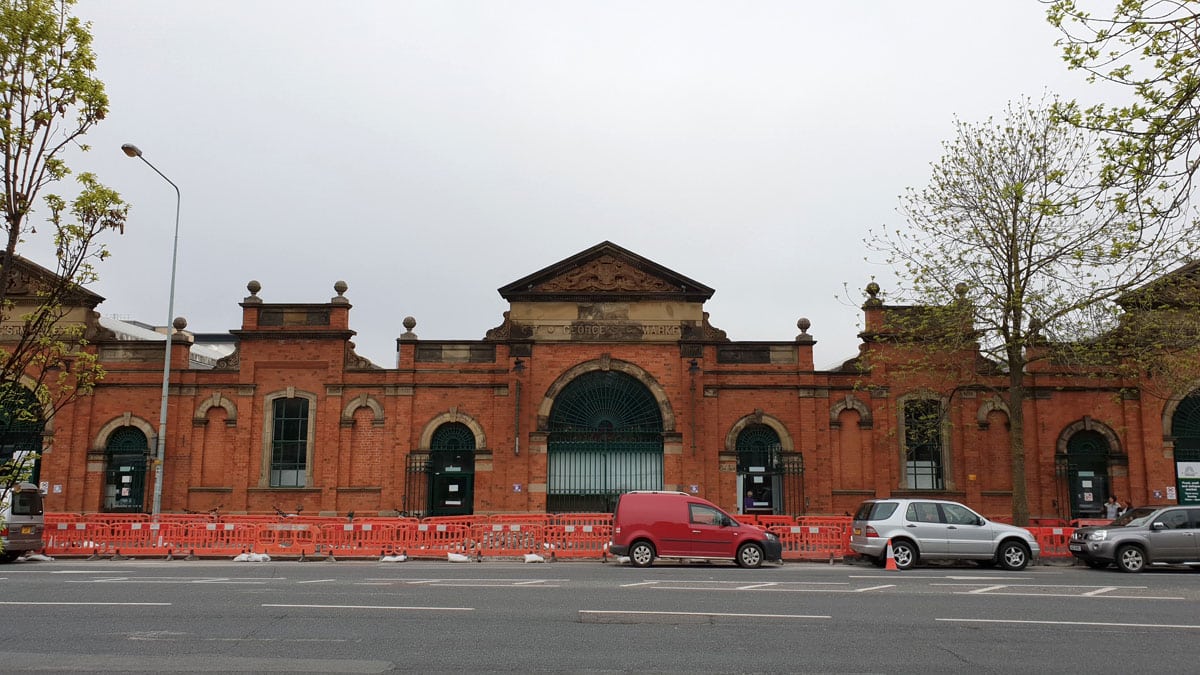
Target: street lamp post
[[161, 445]]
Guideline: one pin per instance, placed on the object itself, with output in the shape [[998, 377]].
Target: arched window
[[290, 442], [758, 448], [451, 470]]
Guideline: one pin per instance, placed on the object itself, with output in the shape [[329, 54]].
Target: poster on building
[[1187, 476]]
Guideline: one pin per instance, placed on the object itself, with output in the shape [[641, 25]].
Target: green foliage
[[49, 98], [1151, 50]]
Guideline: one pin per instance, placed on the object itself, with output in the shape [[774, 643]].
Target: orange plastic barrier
[[116, 518], [286, 539], [521, 518], [67, 539], [594, 519], [578, 541], [436, 540], [218, 539], [513, 539], [769, 521], [364, 539], [811, 542], [1053, 540]]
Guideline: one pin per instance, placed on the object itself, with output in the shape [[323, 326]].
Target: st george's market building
[[605, 375]]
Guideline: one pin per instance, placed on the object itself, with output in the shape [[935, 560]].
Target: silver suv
[[935, 529], [1141, 537]]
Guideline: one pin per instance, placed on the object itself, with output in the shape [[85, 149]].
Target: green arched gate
[[606, 438], [1185, 429]]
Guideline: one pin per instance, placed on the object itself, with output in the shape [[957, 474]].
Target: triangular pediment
[[28, 280], [605, 272]]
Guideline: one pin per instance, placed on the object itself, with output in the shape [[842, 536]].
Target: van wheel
[[1130, 559], [641, 554], [1013, 556], [750, 555]]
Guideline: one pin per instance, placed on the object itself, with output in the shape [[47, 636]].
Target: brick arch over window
[[453, 415], [987, 408], [217, 400], [100, 442], [850, 402], [1172, 405], [362, 401], [759, 417], [1089, 424], [607, 363]]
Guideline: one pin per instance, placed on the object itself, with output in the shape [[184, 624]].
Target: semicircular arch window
[[1185, 423], [125, 475], [758, 448], [606, 438]]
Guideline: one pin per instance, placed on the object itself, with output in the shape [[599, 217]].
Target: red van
[[649, 525]]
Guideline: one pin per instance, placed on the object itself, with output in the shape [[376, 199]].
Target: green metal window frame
[[21, 427]]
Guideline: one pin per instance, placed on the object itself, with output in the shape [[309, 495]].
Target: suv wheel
[[1130, 559], [641, 554], [905, 554], [1013, 556]]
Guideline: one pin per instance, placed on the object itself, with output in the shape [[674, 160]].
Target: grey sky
[[428, 153]]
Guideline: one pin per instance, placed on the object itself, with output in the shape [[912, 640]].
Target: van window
[[27, 503], [705, 515]]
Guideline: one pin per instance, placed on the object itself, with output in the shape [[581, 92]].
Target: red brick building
[[605, 375]]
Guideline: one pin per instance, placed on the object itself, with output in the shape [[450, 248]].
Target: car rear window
[[875, 510]]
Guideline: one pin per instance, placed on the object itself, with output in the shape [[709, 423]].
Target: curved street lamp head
[[131, 150]]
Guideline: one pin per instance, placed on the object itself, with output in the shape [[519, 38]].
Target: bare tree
[[1017, 237]]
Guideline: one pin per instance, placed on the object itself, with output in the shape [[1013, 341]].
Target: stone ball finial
[[960, 289], [340, 287], [254, 287], [873, 291], [409, 324], [804, 324], [179, 323]]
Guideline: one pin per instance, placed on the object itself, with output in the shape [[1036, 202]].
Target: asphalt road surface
[[433, 616]]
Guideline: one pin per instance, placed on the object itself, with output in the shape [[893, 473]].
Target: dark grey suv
[[1142, 536]]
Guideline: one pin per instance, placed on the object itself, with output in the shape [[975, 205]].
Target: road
[[433, 616]]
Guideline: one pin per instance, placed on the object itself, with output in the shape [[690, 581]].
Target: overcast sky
[[428, 153]]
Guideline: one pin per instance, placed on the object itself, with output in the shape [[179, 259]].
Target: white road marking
[[752, 587], [85, 604], [640, 583], [424, 609], [1105, 624], [874, 588], [315, 581], [1098, 591], [986, 589], [693, 615]]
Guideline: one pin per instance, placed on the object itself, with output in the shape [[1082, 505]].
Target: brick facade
[[603, 310]]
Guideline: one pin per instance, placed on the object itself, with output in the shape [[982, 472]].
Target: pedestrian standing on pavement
[[1112, 508]]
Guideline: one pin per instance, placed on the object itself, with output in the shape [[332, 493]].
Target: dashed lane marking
[[620, 616], [394, 607], [1103, 624]]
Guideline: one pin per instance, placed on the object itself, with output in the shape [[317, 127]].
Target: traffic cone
[[891, 558]]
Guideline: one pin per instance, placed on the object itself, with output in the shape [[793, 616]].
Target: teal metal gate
[[605, 439]]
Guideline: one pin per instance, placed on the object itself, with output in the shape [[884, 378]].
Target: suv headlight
[[1098, 535]]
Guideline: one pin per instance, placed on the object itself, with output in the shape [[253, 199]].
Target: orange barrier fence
[[557, 536]]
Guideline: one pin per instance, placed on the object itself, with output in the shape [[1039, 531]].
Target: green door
[[605, 439], [125, 477]]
